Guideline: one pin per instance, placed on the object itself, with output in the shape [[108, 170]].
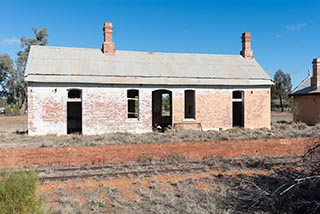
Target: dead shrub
[[289, 191], [173, 158], [146, 159]]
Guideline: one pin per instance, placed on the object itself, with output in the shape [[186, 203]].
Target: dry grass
[[278, 130], [185, 198], [217, 194]]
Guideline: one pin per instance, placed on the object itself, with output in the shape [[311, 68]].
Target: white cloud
[[295, 27], [10, 41]]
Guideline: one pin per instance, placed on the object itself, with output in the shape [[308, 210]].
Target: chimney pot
[[315, 79], [108, 45], [246, 51]]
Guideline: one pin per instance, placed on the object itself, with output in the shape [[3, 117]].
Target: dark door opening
[[189, 104], [74, 117], [237, 109], [74, 112], [162, 109]]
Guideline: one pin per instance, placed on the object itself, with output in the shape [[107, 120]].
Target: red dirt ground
[[10, 124], [32, 157]]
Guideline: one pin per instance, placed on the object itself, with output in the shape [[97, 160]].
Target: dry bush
[[173, 158], [185, 199], [276, 194], [312, 157], [18, 193], [278, 130], [289, 191]]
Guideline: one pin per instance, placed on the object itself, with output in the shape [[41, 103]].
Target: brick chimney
[[315, 79], [108, 45], [246, 46]]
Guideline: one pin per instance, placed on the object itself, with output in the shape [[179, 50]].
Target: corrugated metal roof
[[304, 88], [84, 65]]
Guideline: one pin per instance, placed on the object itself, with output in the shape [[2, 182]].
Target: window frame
[[237, 99], [136, 103]]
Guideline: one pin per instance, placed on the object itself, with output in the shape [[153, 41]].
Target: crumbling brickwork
[[104, 108], [46, 110]]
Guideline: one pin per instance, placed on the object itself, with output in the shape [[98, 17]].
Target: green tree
[[40, 38], [6, 68], [15, 86], [281, 88]]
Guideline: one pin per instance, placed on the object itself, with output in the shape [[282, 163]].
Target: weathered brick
[[104, 108], [308, 109]]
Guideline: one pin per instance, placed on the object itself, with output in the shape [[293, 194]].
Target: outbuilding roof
[[304, 88], [84, 65]]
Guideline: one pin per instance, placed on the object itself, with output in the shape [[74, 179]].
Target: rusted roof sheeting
[[83, 65]]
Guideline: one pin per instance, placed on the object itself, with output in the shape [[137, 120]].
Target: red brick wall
[[13, 158], [257, 108], [308, 109], [214, 108]]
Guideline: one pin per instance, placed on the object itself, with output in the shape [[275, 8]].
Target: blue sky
[[285, 33]]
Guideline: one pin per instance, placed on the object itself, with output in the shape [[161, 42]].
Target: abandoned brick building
[[307, 96], [94, 91]]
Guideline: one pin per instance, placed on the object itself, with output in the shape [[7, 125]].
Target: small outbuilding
[[307, 96], [95, 91]]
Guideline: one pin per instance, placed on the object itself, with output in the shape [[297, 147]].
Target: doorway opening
[[162, 109], [74, 112], [237, 109]]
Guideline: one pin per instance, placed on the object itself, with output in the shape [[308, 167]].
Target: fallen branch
[[299, 181]]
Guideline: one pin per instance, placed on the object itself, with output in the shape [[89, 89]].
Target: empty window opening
[[237, 109], [74, 94], [74, 112], [161, 109], [237, 95], [133, 103], [189, 104]]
